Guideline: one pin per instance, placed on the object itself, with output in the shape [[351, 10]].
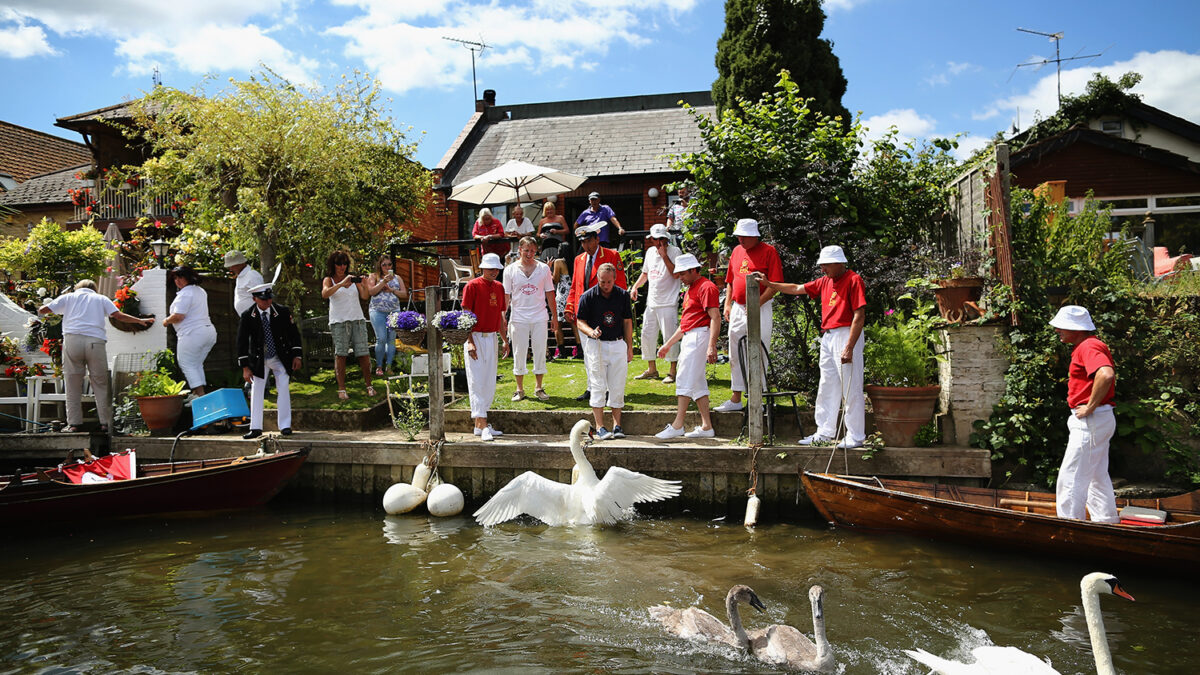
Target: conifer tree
[[763, 37]]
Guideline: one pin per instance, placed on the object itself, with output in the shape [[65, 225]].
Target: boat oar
[[841, 432]]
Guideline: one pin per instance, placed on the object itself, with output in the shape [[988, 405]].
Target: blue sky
[[930, 67]]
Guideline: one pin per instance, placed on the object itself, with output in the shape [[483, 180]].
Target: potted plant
[[159, 398], [408, 325], [901, 369], [455, 325]]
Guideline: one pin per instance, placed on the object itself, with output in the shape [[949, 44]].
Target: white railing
[[135, 202]]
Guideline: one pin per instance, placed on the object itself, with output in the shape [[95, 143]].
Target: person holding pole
[[483, 296], [698, 330], [843, 315]]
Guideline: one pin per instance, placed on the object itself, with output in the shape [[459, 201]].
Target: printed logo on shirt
[[833, 298], [687, 301], [609, 319], [745, 266], [528, 289], [492, 300]]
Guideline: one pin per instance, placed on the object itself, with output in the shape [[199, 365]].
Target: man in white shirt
[[247, 278], [662, 302], [517, 226], [529, 294], [84, 324]]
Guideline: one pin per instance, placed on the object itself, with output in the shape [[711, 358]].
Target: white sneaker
[[729, 406], [815, 438], [670, 432], [848, 444], [486, 434], [701, 432], [495, 432]]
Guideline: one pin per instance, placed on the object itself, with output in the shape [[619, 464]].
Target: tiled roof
[[25, 153], [117, 112], [48, 189]]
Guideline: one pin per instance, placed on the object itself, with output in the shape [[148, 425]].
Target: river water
[[305, 588]]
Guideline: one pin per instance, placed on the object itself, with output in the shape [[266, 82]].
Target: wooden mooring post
[[437, 382], [754, 365]]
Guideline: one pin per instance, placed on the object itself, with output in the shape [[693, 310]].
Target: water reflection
[[312, 589]]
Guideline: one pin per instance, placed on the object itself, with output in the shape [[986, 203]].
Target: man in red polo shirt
[[1091, 384], [749, 256], [483, 296], [698, 330], [843, 315]]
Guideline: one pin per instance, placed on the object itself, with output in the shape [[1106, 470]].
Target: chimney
[[488, 101]]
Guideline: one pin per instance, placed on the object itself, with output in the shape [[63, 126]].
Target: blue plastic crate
[[221, 404]]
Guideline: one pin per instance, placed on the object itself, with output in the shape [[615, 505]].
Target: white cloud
[[968, 145], [214, 48], [406, 49], [841, 5], [21, 41], [909, 125], [1170, 81], [953, 69]]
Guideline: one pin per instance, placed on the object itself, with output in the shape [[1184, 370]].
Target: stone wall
[[972, 379]]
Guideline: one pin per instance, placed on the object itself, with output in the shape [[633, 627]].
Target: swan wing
[[989, 660], [548, 501], [622, 488], [693, 623]]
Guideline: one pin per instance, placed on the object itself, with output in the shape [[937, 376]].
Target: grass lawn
[[564, 381]]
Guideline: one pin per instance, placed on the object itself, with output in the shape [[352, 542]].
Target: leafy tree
[[293, 171], [50, 252], [763, 37]]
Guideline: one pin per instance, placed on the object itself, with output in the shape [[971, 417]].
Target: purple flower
[[408, 320]]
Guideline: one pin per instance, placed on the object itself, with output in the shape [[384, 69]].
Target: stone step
[[634, 422]]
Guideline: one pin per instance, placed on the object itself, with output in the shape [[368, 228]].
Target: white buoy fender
[[402, 498], [752, 511], [420, 479], [445, 500]]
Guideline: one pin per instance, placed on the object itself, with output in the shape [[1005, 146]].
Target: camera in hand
[[356, 279]]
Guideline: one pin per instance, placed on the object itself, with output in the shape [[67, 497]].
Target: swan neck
[[1095, 624], [823, 648], [585, 467], [735, 622]]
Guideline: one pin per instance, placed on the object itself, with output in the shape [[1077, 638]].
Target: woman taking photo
[[195, 333], [387, 291], [345, 293]]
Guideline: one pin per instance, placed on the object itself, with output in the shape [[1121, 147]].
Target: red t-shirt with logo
[[1088, 357], [700, 297], [839, 298], [494, 227], [484, 299], [762, 258]]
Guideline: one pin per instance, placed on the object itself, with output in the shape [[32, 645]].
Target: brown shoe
[[647, 375], [541, 394]]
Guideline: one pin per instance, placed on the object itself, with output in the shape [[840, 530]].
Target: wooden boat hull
[[160, 488], [963, 514]]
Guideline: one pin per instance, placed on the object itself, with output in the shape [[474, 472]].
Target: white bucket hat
[[658, 231], [686, 262], [746, 227], [832, 254], [1073, 317], [234, 258], [491, 261]]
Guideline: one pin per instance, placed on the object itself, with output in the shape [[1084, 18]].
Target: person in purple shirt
[[597, 212]]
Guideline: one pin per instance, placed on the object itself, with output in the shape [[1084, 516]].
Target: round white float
[[445, 500], [402, 498]]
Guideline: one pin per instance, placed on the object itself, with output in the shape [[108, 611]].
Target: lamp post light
[[160, 247]]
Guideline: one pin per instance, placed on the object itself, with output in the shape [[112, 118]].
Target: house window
[[1179, 232], [1133, 203], [1113, 127], [1185, 200]]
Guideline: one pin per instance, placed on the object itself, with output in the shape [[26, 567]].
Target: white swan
[[694, 623], [1012, 660], [587, 501], [785, 646]]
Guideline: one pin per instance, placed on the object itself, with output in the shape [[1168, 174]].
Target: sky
[[931, 68]]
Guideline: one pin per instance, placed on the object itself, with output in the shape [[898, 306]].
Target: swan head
[[743, 593], [581, 429], [816, 596], [1102, 582]]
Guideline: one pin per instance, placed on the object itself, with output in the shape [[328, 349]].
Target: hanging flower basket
[[129, 304], [455, 325], [409, 327]]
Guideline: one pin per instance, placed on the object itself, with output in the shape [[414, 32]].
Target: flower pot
[[160, 413], [901, 411], [954, 294]]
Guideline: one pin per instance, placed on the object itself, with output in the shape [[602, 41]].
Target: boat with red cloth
[[116, 485], [1153, 533]]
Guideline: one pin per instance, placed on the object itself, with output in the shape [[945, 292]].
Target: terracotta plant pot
[[954, 294], [160, 413], [900, 412]]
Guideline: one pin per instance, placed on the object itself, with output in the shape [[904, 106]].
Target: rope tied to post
[[754, 469]]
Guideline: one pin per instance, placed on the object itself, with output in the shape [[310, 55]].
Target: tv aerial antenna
[[1057, 60], [474, 47]]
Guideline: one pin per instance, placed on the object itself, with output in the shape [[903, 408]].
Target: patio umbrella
[[515, 181]]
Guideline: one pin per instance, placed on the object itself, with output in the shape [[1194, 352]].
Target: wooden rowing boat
[[1008, 518], [200, 485]]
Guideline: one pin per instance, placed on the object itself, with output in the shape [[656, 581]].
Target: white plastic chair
[[420, 369], [57, 396]]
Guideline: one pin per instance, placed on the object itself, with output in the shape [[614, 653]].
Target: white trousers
[[81, 353], [1083, 477], [607, 364], [481, 374], [526, 336], [191, 350], [656, 322], [283, 398], [692, 378], [737, 328], [838, 378]]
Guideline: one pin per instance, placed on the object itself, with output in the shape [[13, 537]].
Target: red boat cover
[[111, 467]]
